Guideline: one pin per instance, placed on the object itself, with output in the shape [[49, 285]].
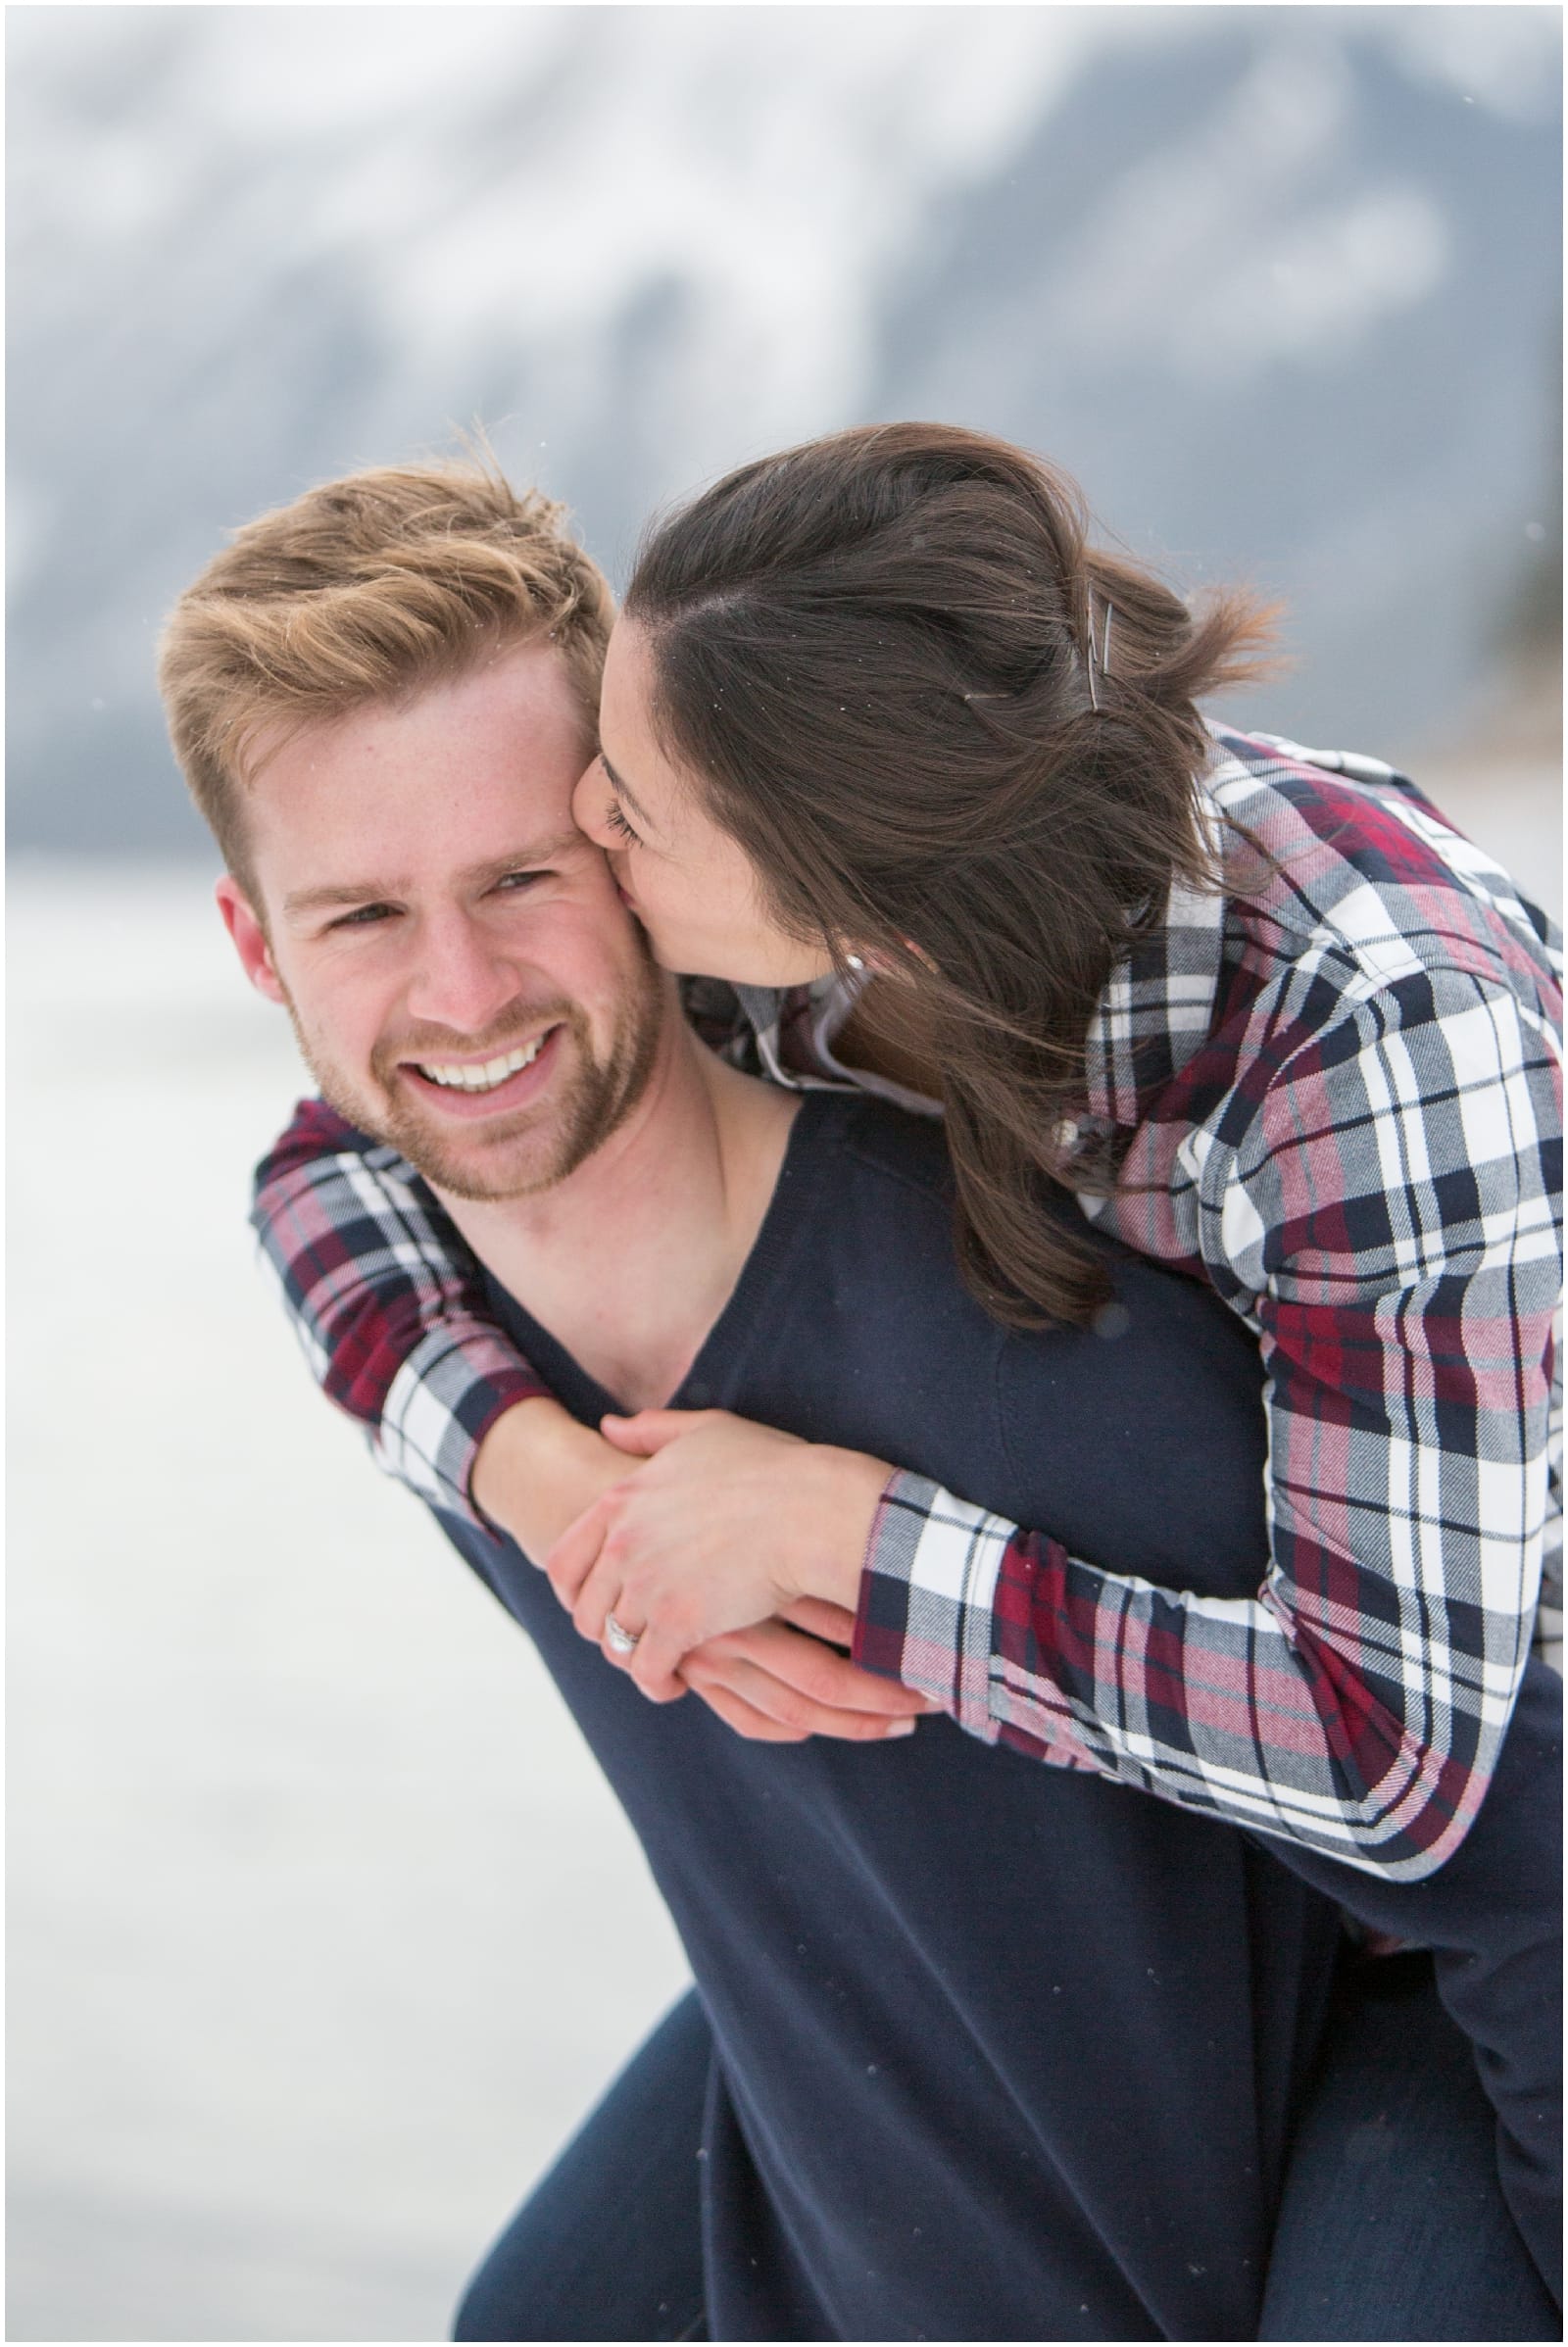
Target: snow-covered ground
[[324, 1928]]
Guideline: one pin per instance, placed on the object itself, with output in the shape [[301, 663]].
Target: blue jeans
[[609, 2245], [1391, 2225]]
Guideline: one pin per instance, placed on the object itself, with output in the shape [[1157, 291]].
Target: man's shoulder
[[880, 1139]]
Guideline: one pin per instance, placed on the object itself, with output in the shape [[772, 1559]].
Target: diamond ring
[[618, 1640]]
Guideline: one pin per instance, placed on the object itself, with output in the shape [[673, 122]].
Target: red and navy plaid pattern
[[1340, 1096], [1334, 1094], [387, 1302]]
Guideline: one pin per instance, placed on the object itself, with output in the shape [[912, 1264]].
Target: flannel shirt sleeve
[[1390, 1223], [387, 1304]]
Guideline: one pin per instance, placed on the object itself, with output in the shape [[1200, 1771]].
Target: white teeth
[[487, 1077]]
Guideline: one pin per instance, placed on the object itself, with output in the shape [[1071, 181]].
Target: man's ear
[[250, 939]]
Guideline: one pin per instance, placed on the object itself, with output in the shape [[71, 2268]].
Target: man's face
[[463, 978]]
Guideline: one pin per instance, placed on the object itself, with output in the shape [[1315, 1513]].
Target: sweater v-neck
[[745, 1315]]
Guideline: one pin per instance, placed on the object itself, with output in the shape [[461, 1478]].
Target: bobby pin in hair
[[1097, 664]]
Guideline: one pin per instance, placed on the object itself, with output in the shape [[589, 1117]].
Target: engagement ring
[[618, 1640]]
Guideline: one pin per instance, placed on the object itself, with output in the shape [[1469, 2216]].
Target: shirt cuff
[[446, 1396], [927, 1596]]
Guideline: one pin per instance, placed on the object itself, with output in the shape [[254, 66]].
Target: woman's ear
[[880, 965]]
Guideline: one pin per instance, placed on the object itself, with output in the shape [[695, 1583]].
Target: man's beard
[[538, 1145]]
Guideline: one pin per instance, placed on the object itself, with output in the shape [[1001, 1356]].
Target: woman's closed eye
[[618, 823]]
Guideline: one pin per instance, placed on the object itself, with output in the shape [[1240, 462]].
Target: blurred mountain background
[[1280, 285]]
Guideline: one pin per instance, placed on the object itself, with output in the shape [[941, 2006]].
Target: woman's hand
[[537, 1470], [727, 1525], [773, 1686]]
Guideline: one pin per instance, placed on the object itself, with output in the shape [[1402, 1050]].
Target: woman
[[883, 732]]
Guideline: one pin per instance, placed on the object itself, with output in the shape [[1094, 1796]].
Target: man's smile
[[479, 1087], [486, 1076]]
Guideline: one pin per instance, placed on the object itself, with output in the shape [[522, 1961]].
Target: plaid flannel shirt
[[1334, 1092]]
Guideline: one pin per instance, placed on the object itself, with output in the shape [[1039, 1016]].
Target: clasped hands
[[726, 1532]]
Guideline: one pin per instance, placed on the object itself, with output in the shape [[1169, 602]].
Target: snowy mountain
[[1280, 285]]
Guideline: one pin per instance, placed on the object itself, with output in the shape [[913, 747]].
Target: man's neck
[[630, 1260]]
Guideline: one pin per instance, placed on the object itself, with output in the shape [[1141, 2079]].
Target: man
[[914, 1960]]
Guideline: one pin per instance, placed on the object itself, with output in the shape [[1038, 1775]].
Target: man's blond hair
[[367, 590]]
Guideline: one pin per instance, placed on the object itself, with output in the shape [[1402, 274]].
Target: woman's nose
[[589, 801]]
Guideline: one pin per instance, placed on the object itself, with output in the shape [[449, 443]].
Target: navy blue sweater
[[1002, 2050]]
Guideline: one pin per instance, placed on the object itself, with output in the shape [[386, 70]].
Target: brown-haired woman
[[877, 721], [890, 748]]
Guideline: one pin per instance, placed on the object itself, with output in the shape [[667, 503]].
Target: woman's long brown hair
[[873, 654]]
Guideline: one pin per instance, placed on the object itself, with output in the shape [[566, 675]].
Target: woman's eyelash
[[618, 821]]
